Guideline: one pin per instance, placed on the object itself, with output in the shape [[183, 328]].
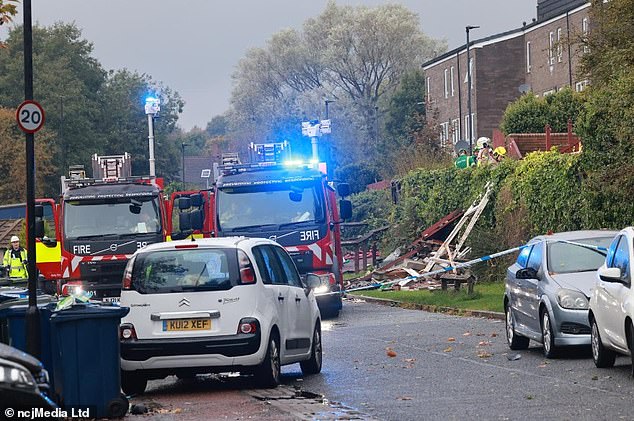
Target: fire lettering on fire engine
[[81, 249], [311, 235]]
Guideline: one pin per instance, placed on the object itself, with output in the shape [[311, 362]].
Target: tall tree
[[356, 55]]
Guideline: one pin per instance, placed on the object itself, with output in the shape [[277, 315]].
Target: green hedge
[[546, 191]]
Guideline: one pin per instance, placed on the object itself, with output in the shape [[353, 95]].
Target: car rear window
[[569, 258], [200, 269]]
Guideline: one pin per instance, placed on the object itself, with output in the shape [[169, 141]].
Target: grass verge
[[486, 297]]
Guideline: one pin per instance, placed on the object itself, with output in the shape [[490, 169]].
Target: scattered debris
[[484, 354], [435, 250], [448, 349], [451, 340], [390, 352], [513, 357], [466, 334], [404, 398], [484, 343]]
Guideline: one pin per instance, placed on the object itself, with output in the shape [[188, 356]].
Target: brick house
[[540, 57]]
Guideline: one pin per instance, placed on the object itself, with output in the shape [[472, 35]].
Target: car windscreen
[[197, 269], [570, 258], [270, 205], [111, 217]]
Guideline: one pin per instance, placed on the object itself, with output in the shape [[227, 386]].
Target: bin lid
[[88, 311], [20, 305]]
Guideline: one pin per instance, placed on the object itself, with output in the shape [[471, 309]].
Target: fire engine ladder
[[469, 218]]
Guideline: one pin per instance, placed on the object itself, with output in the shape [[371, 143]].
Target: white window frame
[[444, 134], [585, 29], [451, 76], [466, 125], [470, 72], [455, 130], [549, 92], [528, 57], [560, 48], [581, 85], [446, 83], [428, 89], [551, 46]]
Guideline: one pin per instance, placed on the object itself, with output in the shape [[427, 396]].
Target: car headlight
[[321, 289], [573, 300], [16, 376]]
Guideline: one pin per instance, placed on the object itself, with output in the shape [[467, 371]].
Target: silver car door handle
[[280, 297], [298, 298]]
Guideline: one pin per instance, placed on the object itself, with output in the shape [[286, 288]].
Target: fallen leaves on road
[[466, 334], [169, 411], [484, 343], [390, 352], [494, 335], [484, 354], [404, 398], [448, 349], [409, 360], [451, 339]]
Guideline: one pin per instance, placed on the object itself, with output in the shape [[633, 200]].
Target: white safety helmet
[[15, 239], [482, 141]]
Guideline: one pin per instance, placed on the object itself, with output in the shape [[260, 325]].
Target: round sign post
[[30, 116]]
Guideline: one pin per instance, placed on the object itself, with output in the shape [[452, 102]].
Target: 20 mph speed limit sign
[[30, 116]]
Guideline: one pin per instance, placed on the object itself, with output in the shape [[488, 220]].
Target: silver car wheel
[[509, 326], [594, 339], [546, 332]]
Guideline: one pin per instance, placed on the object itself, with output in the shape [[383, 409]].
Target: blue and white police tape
[[471, 263]]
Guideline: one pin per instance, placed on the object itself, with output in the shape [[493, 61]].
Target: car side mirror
[[196, 220], [343, 189], [612, 275], [526, 273], [49, 242], [345, 209], [196, 200], [184, 203], [39, 227], [312, 281], [184, 221]]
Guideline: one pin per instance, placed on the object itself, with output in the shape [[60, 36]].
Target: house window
[[551, 45], [446, 83], [560, 48], [585, 28], [427, 89], [581, 85], [528, 57], [549, 92], [453, 91], [455, 130], [468, 121], [444, 134], [470, 72]]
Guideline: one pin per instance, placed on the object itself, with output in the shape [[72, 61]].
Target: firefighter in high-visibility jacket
[[15, 260]]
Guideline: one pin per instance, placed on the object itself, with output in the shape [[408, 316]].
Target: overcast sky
[[193, 46]]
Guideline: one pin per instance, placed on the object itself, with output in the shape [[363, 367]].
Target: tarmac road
[[443, 367], [474, 376]]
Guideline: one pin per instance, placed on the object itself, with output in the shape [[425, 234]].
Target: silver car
[[548, 288]]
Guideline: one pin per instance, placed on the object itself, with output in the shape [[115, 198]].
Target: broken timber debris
[[439, 246]]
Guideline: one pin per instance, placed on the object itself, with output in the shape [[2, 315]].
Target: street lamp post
[[152, 107], [183, 144], [329, 163], [468, 28]]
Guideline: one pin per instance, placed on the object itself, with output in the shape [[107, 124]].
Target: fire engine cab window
[[90, 218], [185, 270], [258, 207]]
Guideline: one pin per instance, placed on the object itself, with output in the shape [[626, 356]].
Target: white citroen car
[[216, 305], [612, 303]]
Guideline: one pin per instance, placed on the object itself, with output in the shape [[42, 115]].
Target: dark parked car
[[548, 288], [24, 383]]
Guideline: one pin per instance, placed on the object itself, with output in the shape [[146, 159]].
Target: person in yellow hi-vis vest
[[15, 260]]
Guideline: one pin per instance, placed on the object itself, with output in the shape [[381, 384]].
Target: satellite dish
[[461, 144], [524, 88]]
